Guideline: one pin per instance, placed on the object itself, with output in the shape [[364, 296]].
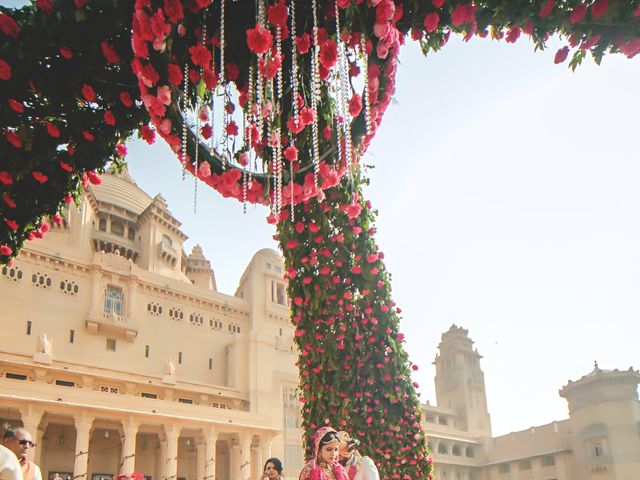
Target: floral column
[[354, 371]]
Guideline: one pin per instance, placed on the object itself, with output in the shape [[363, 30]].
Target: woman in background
[[272, 469]]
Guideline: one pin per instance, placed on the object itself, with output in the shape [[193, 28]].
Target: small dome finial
[[595, 365]]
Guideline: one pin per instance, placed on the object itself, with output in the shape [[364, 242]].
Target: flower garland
[[286, 60], [68, 104], [354, 372]]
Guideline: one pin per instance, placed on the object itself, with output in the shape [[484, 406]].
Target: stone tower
[[460, 382], [605, 420]]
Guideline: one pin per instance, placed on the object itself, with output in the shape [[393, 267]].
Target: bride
[[324, 464]]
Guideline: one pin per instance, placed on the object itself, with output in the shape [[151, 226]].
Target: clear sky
[[509, 204]]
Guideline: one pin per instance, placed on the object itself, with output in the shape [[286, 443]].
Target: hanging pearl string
[[365, 72], [344, 87], [294, 60], [244, 191], [184, 121], [222, 79], [315, 93], [291, 184]]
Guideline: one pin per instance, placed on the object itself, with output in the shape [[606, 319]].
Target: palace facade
[[599, 441], [118, 354]]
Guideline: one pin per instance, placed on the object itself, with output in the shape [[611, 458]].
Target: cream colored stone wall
[[603, 409], [99, 395]]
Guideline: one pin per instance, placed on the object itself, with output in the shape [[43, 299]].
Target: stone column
[[245, 455], [211, 436], [265, 443], [83, 430], [31, 417], [234, 462], [256, 462], [128, 463], [200, 459], [171, 467], [162, 459]]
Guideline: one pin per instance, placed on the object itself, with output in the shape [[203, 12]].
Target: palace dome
[[120, 190]]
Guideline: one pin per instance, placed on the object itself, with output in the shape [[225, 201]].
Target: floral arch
[[270, 102]]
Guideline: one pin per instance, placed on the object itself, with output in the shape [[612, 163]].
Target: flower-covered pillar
[[354, 371]]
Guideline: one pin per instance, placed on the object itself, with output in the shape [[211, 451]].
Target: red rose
[[355, 105], [259, 39], [5, 177], [45, 5], [16, 106], [206, 131], [513, 34], [125, 98], [578, 13], [5, 70], [66, 53], [88, 93], [94, 178], [148, 134], [231, 70], [109, 52], [12, 224], [546, 10], [174, 74], [307, 115], [200, 55], [66, 166], [210, 78], [8, 25], [232, 128], [385, 11], [121, 148], [13, 139], [328, 53], [463, 13], [53, 130], [437, 3], [8, 200], [109, 119], [599, 8], [431, 21], [295, 124], [326, 132], [39, 177], [303, 42], [5, 250], [173, 9], [277, 14], [149, 75], [561, 55], [87, 135], [291, 153], [159, 27]]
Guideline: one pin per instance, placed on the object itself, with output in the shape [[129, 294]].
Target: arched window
[[166, 239], [442, 448], [102, 225], [469, 452], [456, 450]]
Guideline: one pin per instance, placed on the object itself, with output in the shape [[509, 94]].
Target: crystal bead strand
[[294, 60], [183, 156], [365, 72], [315, 93]]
